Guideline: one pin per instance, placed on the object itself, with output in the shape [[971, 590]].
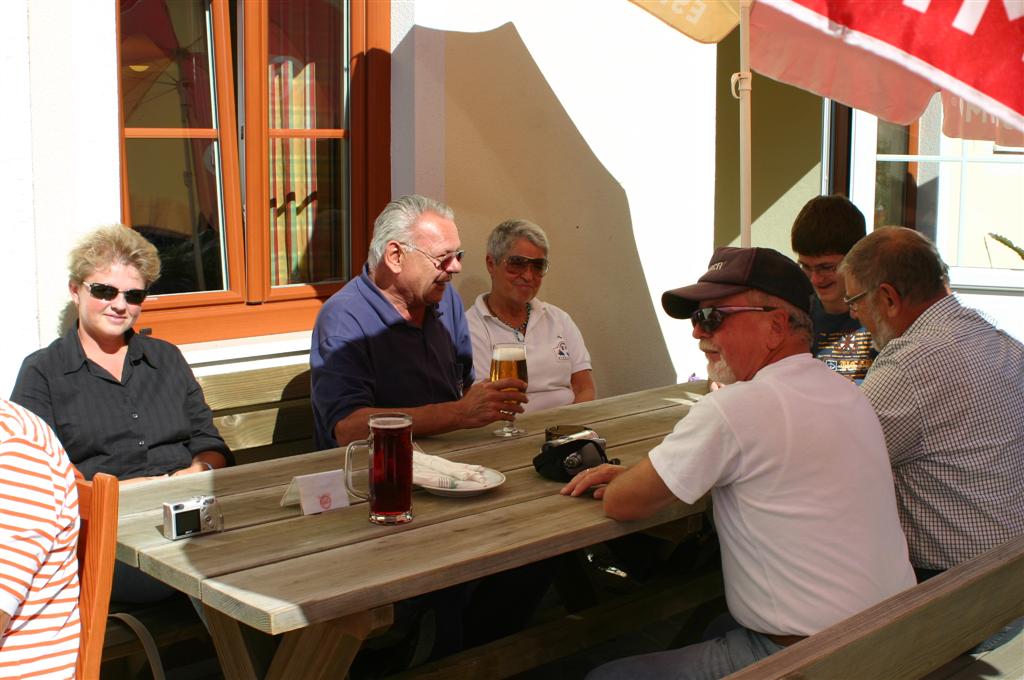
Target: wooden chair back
[[97, 546]]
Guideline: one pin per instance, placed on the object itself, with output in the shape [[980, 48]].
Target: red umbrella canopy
[[889, 57]]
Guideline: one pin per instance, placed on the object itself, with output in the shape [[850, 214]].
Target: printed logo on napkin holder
[[317, 492]]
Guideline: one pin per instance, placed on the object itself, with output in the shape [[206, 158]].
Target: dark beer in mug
[[391, 477], [390, 470]]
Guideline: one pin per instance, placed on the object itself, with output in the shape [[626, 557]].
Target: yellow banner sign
[[707, 21]]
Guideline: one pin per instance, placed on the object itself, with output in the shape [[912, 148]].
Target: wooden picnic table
[[325, 582]]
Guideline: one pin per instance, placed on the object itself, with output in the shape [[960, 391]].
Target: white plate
[[493, 479]]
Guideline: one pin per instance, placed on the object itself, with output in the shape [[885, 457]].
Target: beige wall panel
[[512, 151], [786, 155]]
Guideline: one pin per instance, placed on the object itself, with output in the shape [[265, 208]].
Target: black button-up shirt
[[151, 422]]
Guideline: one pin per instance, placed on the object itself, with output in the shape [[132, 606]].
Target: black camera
[[562, 458]]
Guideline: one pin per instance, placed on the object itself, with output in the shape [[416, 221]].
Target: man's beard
[[882, 334], [720, 372]]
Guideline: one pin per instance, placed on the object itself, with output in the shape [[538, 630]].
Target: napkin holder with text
[[563, 457]]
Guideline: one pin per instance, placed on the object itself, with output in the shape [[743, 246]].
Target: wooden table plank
[[185, 564], [319, 587], [324, 580], [140, 532], [147, 496], [589, 413]]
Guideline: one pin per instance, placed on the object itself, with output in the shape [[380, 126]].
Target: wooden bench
[[915, 632], [263, 413]]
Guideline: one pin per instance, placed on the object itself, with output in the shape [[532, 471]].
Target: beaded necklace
[[520, 330]]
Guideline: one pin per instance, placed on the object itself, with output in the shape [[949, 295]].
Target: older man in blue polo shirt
[[396, 337]]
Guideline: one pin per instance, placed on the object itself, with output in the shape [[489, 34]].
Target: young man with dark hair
[[823, 232]]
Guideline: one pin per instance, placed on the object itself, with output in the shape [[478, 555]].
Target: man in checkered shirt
[[948, 388]]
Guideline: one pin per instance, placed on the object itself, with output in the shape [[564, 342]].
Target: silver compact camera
[[197, 515]]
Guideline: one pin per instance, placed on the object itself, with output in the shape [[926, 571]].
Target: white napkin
[[439, 472]]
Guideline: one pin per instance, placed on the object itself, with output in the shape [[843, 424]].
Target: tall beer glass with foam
[[508, 360]]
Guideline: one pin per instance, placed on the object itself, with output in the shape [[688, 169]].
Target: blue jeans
[[1000, 638], [709, 660]]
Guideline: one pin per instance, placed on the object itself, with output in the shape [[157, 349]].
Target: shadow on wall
[[785, 130], [511, 151]]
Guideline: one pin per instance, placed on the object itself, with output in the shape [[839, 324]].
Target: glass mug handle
[[348, 467]]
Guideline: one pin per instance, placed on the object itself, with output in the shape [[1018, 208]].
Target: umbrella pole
[[741, 89]]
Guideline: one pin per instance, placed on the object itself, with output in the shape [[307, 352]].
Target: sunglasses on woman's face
[[104, 291], [517, 264]]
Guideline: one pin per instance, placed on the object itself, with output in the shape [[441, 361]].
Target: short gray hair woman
[[557, 358]]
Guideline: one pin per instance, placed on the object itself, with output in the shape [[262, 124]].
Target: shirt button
[[142, 442], [135, 415]]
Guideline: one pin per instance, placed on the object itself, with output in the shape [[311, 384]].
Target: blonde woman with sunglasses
[[121, 402], [557, 358]]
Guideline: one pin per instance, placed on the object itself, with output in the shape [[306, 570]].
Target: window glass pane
[[993, 204], [957, 204], [174, 189], [892, 138], [165, 64], [307, 211], [308, 64]]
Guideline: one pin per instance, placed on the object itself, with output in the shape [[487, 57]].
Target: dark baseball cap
[[734, 270]]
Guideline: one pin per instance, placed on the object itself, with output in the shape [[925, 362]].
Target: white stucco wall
[[63, 165], [22, 334], [656, 141]]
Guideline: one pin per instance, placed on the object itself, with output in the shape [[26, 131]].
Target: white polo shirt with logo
[[554, 350]]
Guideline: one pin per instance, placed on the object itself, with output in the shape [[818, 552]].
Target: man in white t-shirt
[[795, 461]]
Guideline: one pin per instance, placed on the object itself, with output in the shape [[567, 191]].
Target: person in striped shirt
[[39, 620]]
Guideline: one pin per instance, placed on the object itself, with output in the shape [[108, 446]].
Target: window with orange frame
[[254, 155]]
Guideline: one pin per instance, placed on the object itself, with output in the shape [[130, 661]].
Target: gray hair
[[905, 259], [112, 244], [396, 220], [800, 324], [508, 232]]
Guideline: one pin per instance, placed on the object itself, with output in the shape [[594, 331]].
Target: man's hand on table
[[593, 478], [485, 402]]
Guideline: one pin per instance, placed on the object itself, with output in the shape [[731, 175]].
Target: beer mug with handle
[[390, 469]]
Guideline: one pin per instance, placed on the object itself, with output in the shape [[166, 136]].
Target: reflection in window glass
[[307, 72], [960, 193], [308, 65], [892, 138], [165, 64], [174, 188], [307, 210]]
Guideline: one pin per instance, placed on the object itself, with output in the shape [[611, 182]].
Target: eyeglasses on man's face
[[442, 261], [710, 318], [852, 300], [106, 292], [517, 264], [825, 268]]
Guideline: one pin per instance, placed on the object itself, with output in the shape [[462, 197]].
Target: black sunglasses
[[710, 318], [104, 291], [517, 264]]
